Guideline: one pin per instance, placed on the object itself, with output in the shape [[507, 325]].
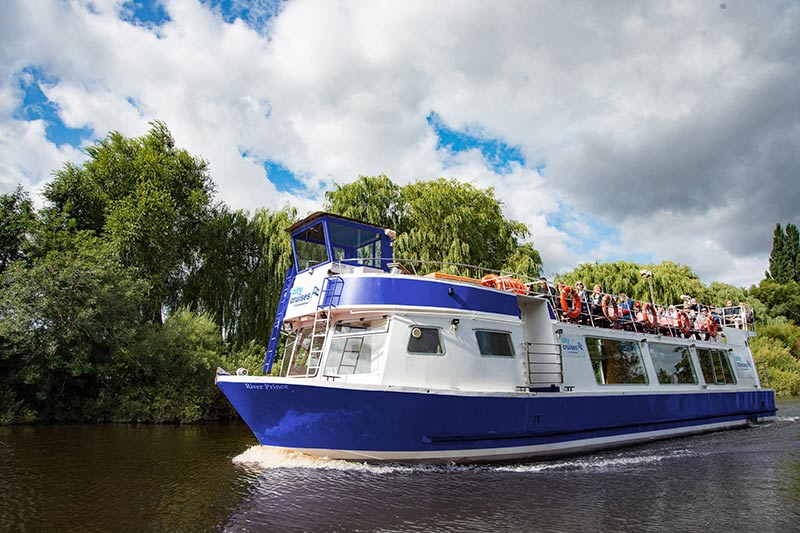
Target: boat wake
[[264, 458]]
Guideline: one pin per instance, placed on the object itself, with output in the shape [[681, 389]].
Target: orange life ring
[[647, 322], [489, 280], [512, 284], [504, 283], [711, 327], [574, 310], [684, 324], [611, 318]]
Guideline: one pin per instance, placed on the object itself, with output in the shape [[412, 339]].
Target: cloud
[[664, 131]]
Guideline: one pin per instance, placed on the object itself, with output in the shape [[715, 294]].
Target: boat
[[382, 364]]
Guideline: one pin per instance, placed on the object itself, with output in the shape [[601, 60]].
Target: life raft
[[504, 283], [608, 300], [649, 315], [574, 310]]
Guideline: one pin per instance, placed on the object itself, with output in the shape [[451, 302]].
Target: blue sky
[[605, 131]]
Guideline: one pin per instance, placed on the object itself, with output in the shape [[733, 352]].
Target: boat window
[[296, 351], [495, 343], [310, 247], [354, 354], [673, 364], [425, 340], [361, 326], [616, 362], [716, 366]]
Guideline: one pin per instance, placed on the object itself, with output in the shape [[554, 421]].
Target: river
[[212, 477]]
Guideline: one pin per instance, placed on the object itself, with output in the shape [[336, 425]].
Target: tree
[[441, 224], [242, 266], [780, 299], [782, 262], [61, 321], [670, 280], [792, 244], [375, 200], [16, 220], [148, 197]]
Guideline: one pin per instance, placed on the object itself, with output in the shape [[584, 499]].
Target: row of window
[[426, 340], [620, 362]]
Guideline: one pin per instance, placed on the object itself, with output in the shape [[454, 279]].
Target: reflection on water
[[214, 477]]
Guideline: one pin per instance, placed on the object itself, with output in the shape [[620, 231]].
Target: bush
[[783, 369]]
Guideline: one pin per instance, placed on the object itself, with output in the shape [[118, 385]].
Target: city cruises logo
[[568, 347], [299, 298], [742, 364]]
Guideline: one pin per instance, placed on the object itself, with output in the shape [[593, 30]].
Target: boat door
[[542, 350]]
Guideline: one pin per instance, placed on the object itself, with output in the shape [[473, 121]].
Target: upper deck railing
[[687, 319]]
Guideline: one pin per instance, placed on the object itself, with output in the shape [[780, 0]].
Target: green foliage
[[785, 255], [670, 281], [167, 375], [783, 368], [780, 299], [62, 318], [16, 221], [375, 200], [149, 198], [440, 221], [242, 266]]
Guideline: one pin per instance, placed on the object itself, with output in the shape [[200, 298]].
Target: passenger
[[583, 295], [596, 306], [625, 307], [546, 289]]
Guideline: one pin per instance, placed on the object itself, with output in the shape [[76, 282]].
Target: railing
[[661, 319]]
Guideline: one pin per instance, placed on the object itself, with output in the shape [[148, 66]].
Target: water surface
[[213, 477]]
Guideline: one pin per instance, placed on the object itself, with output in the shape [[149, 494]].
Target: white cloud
[[676, 124]]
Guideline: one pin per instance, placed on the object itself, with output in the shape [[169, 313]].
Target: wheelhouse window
[[425, 340], [310, 247], [616, 362], [673, 364], [716, 366], [495, 343], [356, 245]]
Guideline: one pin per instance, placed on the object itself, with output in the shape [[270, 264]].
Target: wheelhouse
[[324, 238]]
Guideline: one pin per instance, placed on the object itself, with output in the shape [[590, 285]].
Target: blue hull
[[437, 425]]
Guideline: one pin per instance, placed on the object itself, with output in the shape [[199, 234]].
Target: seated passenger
[[625, 307]]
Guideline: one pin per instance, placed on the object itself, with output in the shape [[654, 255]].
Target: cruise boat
[[381, 364]]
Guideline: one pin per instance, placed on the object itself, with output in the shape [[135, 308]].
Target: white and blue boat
[[383, 365]]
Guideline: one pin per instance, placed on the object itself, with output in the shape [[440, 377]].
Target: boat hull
[[444, 426]]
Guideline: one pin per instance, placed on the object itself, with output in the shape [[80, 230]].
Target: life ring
[[489, 280], [711, 327], [611, 318], [647, 321], [684, 324], [574, 310], [504, 283]]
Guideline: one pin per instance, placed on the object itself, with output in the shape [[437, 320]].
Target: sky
[[616, 130]]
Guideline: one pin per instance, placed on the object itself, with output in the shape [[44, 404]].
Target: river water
[[212, 477]]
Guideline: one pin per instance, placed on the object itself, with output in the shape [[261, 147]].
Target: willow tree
[[670, 280], [242, 263], [441, 224], [372, 199]]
